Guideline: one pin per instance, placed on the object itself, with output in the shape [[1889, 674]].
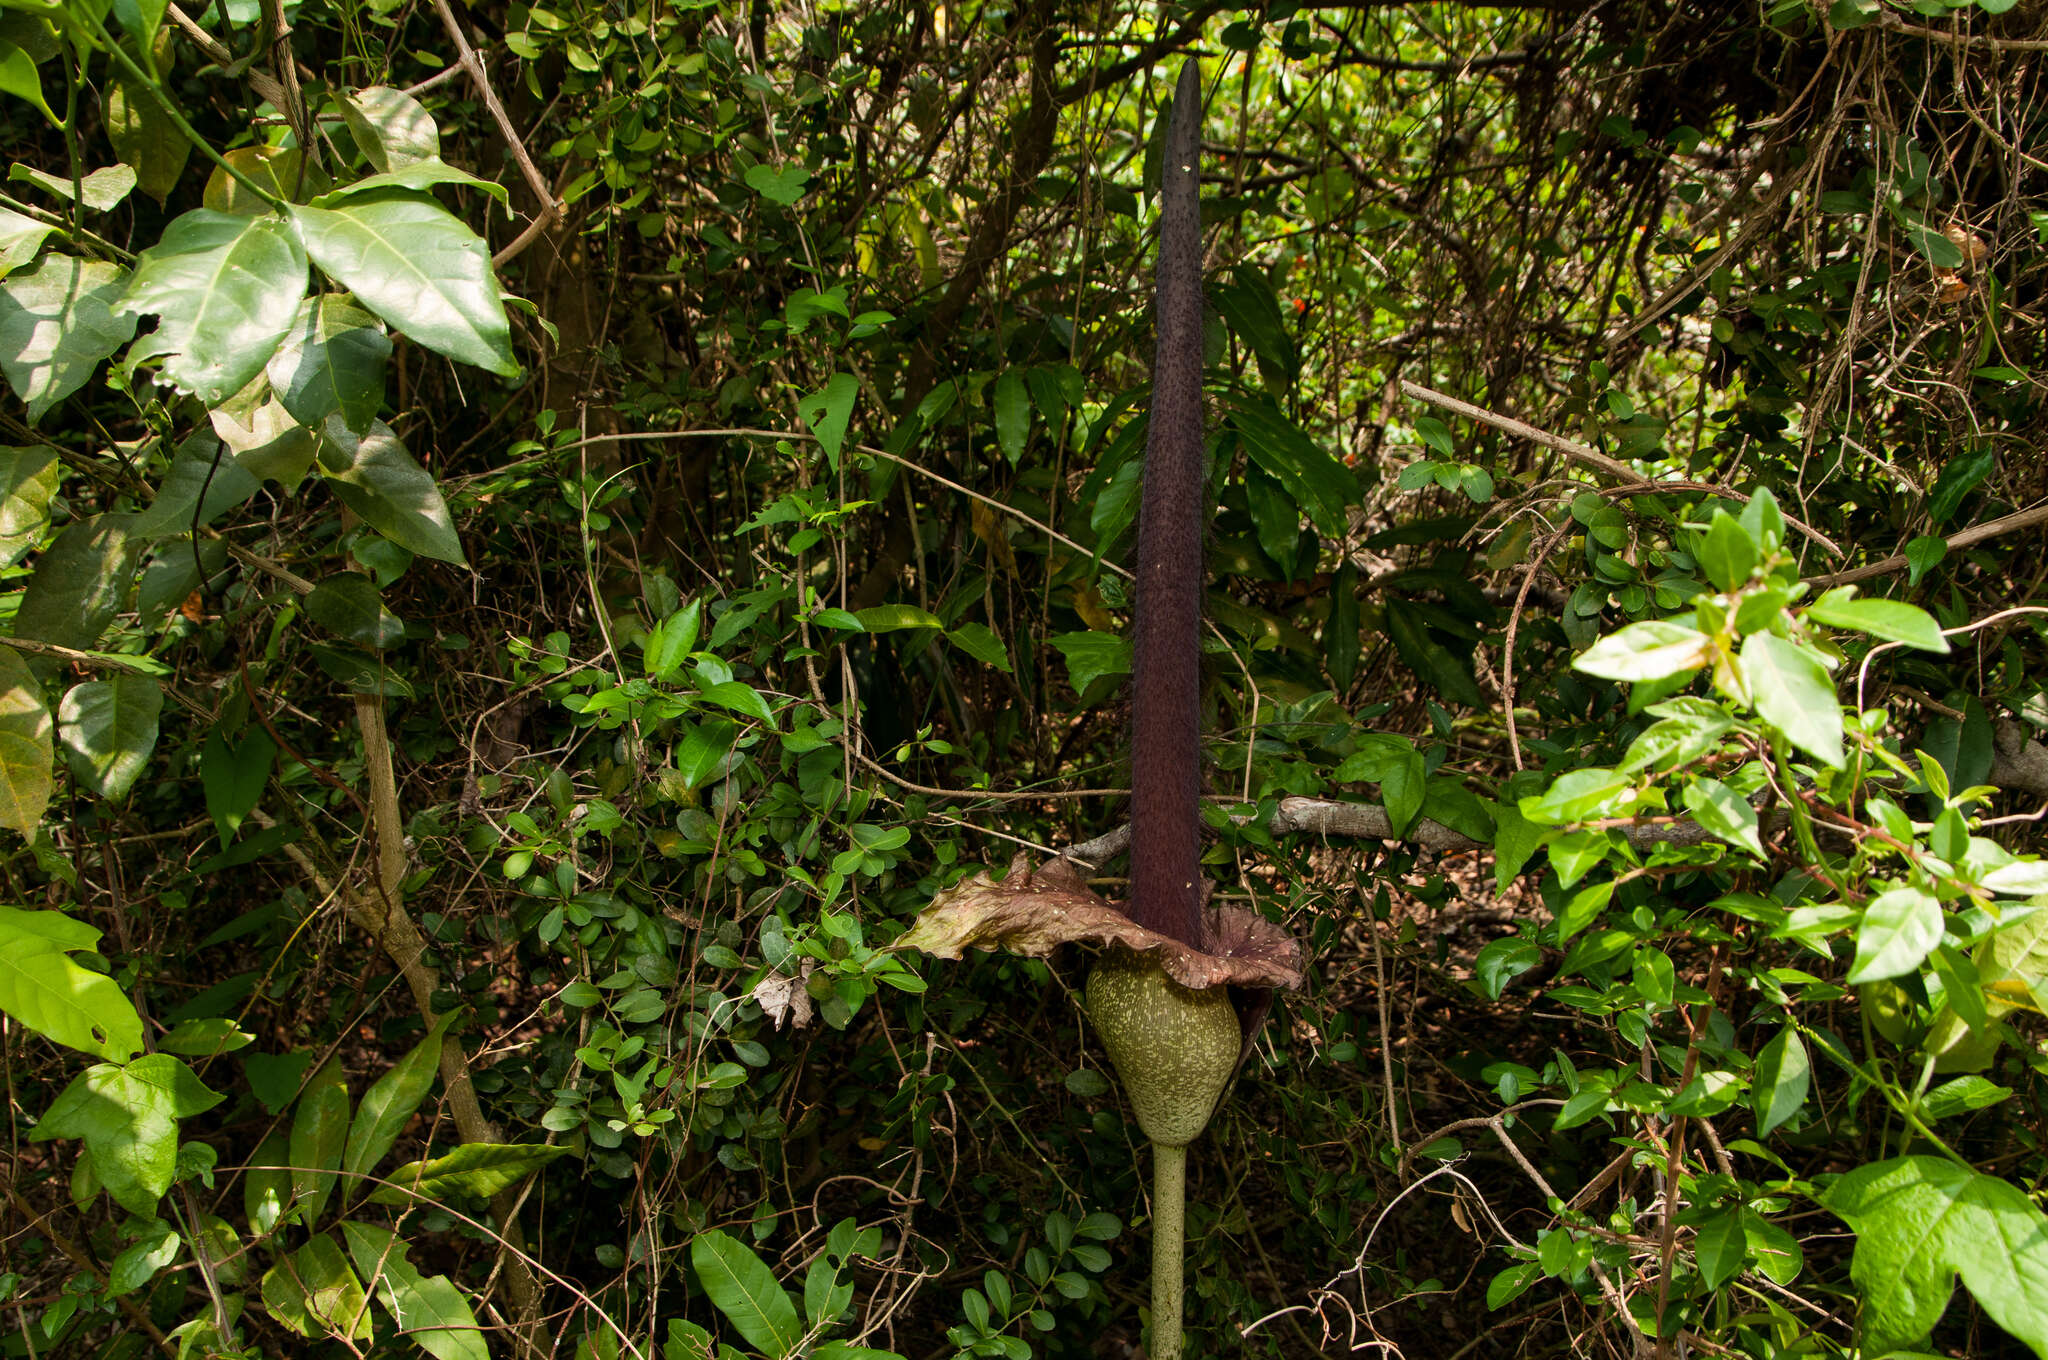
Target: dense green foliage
[[542, 535]]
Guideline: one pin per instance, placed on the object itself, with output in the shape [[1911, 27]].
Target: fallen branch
[[1369, 821], [1961, 538]]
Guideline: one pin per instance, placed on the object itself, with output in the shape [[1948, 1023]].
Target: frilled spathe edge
[[1035, 911]]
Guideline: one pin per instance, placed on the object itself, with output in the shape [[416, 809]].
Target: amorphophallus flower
[[1175, 1017], [1160, 994]]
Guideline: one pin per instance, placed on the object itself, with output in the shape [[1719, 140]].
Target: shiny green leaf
[[57, 322], [128, 1117], [377, 477], [225, 289], [415, 264], [108, 729], [392, 1100]]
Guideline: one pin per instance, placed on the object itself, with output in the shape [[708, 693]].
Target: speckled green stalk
[[1169, 1245]]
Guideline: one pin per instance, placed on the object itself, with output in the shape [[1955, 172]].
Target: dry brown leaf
[[1033, 912]]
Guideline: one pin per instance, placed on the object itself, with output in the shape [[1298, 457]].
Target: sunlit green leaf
[[376, 477], [1920, 1222], [57, 322], [225, 289], [128, 1117], [415, 264], [57, 998]]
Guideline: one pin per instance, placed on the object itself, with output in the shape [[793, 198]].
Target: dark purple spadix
[[1166, 845]]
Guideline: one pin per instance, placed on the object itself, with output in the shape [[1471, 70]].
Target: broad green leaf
[[889, 618], [280, 171], [1892, 620], [979, 641], [1379, 754], [1579, 796], [1922, 554], [739, 697], [27, 480], [348, 604], [204, 481], [1117, 505], [58, 999], [1676, 741], [1516, 840], [1012, 414], [784, 186], [1091, 656], [108, 728], [827, 412], [20, 238], [1275, 518], [23, 929], [392, 129], [2021, 878], [478, 1170], [1959, 477], [392, 1099], [20, 78], [1724, 812], [79, 583], [1792, 692], [267, 1183], [267, 442], [1402, 788], [1654, 649], [415, 264], [145, 139], [314, 1292], [1922, 1221], [376, 477], [1956, 1097], [141, 19], [128, 1117], [1501, 962], [332, 359], [745, 1290], [225, 289], [1726, 554], [1774, 1251], [1320, 485], [1342, 637], [429, 1310], [138, 1264], [670, 642], [204, 1037], [1899, 928], [320, 1128], [1583, 908], [1720, 1245], [232, 776], [1783, 1076], [419, 175], [26, 751], [1248, 305], [1511, 1284], [103, 189], [57, 322]]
